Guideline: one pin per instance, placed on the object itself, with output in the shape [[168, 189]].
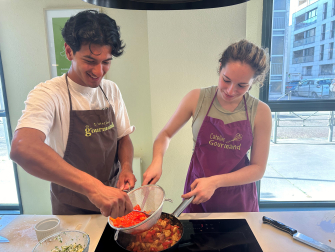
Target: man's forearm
[[126, 152], [40, 160]]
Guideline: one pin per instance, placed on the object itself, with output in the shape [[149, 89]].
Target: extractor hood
[[164, 4]]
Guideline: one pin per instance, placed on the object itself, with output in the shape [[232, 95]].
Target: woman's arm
[[183, 113], [204, 188]]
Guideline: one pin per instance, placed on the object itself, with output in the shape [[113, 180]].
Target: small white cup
[[47, 227]]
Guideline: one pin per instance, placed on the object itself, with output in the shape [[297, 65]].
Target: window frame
[[330, 50], [287, 106], [8, 208]]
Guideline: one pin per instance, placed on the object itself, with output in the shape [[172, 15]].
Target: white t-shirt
[[48, 108]]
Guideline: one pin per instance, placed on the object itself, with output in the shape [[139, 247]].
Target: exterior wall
[[313, 43]]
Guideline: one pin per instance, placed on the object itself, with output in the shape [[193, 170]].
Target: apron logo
[[89, 131], [214, 138], [238, 137]]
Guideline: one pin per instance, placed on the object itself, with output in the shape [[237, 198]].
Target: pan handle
[[116, 235], [182, 206]]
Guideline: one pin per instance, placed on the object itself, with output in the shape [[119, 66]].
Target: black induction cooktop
[[227, 235]]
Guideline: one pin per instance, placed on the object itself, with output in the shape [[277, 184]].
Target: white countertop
[[319, 225]]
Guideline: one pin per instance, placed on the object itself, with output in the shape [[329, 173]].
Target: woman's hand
[[152, 174], [202, 188]]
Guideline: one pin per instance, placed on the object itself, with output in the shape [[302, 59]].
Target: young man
[[75, 129]]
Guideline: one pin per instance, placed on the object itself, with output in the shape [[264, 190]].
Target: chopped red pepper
[[130, 219]]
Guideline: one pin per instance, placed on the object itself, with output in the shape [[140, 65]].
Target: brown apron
[[92, 148]]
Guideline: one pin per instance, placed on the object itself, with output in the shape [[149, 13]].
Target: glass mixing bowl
[[63, 238]]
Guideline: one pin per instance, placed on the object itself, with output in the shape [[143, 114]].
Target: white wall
[[168, 53], [184, 48]]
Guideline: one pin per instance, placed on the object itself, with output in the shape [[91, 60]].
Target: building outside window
[[326, 69], [304, 38], [307, 71], [305, 55], [323, 32], [10, 199], [333, 8], [306, 19], [322, 50], [324, 13], [298, 97], [332, 29], [302, 2], [330, 50]]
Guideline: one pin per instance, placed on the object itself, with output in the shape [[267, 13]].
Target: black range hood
[[164, 4]]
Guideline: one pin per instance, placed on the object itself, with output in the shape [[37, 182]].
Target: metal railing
[[304, 41], [276, 68], [309, 58], [305, 23], [278, 23], [303, 119]]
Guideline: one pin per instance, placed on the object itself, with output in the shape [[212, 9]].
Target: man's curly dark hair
[[91, 27]]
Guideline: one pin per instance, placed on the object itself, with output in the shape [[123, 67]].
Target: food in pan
[[130, 219], [162, 235]]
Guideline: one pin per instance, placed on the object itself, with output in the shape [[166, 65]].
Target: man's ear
[[68, 52]]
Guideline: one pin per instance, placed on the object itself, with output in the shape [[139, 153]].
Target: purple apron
[[222, 148]]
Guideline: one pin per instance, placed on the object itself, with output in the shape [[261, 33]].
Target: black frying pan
[[125, 239]]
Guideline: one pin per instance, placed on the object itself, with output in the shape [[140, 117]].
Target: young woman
[[227, 122]]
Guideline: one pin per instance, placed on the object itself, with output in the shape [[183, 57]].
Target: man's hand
[[126, 176], [202, 188], [111, 201], [152, 174]]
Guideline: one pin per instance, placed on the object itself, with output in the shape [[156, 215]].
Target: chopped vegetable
[[130, 219], [69, 248], [162, 235]]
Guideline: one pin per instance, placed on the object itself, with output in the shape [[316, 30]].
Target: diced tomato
[[130, 219], [151, 232], [167, 243]]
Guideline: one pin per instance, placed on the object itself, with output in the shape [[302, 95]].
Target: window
[[323, 32], [301, 105], [324, 12], [10, 199], [332, 29], [305, 55], [322, 49], [311, 14], [307, 70], [279, 20], [330, 50], [333, 8], [278, 42], [304, 38], [310, 33], [279, 5], [326, 69], [306, 19], [302, 2]]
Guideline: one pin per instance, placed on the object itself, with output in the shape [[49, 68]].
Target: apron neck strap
[[246, 108], [105, 95], [211, 103], [245, 105], [68, 90]]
